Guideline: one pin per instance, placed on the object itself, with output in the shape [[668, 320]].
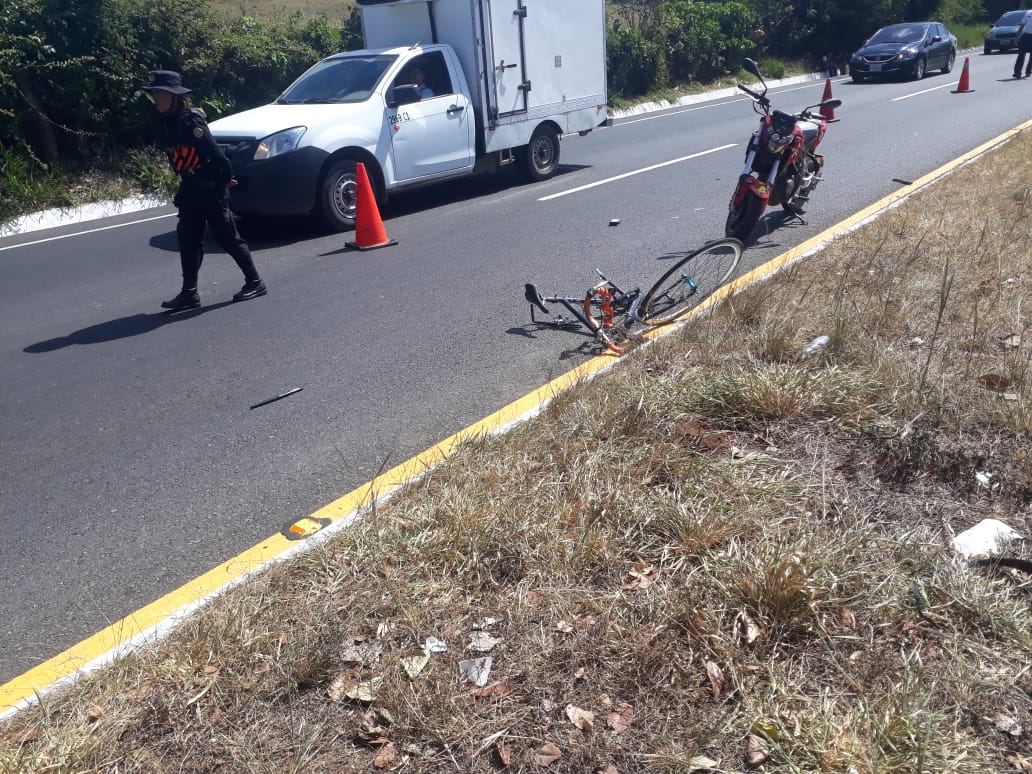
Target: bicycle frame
[[621, 319], [617, 310]]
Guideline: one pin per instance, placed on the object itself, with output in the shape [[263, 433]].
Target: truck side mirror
[[403, 95]]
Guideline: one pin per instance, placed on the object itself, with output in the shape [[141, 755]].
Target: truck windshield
[[337, 79]]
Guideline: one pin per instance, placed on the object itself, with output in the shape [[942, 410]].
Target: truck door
[[507, 20], [435, 135]]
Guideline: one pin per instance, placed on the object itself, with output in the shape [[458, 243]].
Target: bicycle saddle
[[533, 296]]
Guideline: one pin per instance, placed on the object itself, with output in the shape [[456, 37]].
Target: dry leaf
[[1013, 341], [642, 576], [210, 669], [138, 692], [370, 731], [583, 719], [345, 686], [94, 713], [26, 735], [609, 768], [756, 752], [364, 691], [716, 677], [750, 632], [1006, 724], [564, 627], [997, 382], [580, 674], [504, 757], [702, 763], [689, 428], [415, 664], [620, 719], [495, 690], [1021, 764], [366, 653], [482, 642], [547, 754], [717, 443], [385, 756], [339, 685], [847, 619]]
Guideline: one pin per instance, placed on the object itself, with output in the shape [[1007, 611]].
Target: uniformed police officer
[[203, 196], [1024, 46]]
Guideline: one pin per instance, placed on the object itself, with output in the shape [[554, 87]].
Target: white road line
[[87, 231], [923, 91], [679, 112], [635, 172]]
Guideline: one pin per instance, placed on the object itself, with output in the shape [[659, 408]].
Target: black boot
[[187, 299], [250, 290]]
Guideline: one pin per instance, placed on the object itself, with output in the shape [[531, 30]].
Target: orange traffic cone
[[962, 86], [827, 112], [369, 233]]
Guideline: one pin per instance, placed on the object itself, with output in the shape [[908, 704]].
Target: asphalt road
[[132, 461]]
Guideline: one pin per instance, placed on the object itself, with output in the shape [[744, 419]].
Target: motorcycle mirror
[[751, 67], [832, 103]]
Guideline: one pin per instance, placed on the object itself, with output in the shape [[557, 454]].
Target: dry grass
[[714, 557]]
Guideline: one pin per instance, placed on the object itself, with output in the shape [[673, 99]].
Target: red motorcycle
[[781, 162]]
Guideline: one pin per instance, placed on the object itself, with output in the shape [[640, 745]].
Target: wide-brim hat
[[167, 80]]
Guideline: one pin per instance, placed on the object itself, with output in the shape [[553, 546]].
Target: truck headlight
[[279, 143]]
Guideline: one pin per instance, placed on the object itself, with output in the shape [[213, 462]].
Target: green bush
[[636, 62], [704, 40], [773, 68], [27, 185]]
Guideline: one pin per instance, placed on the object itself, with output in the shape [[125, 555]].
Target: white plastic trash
[[819, 344], [984, 539]]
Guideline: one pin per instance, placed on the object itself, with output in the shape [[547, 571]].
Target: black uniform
[[203, 196]]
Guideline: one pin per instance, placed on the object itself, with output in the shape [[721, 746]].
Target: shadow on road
[[122, 328], [260, 233]]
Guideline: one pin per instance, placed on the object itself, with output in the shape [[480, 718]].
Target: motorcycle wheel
[[741, 220]]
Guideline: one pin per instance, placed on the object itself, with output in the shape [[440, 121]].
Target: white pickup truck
[[507, 79]]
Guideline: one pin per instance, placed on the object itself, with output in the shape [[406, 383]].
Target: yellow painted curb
[[146, 622]]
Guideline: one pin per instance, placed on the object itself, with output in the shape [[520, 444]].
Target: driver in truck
[[415, 76]]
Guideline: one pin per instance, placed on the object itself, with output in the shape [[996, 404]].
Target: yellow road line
[[151, 621]]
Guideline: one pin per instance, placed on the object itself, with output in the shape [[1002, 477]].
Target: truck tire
[[338, 196], [540, 157]]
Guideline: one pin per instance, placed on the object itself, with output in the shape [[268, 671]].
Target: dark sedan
[[1004, 33], [905, 50]]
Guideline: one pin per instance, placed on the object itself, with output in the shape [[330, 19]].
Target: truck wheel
[[540, 157], [338, 196]]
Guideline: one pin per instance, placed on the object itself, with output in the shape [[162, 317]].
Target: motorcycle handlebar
[[758, 97]]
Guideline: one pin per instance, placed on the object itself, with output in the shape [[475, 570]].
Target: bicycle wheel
[[692, 279]]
